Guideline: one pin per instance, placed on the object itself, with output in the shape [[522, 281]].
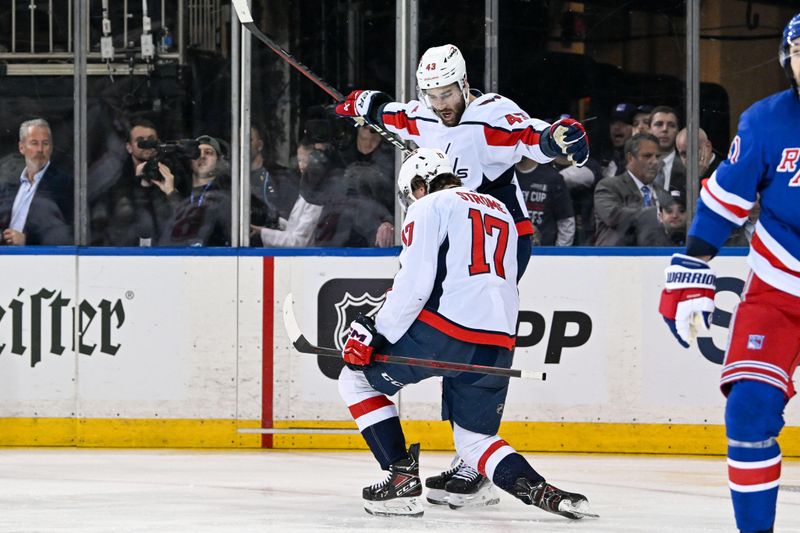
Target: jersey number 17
[[482, 225]]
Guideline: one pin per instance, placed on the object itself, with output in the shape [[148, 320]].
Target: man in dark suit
[[664, 126], [619, 199], [38, 208]]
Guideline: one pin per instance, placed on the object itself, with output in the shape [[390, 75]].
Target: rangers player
[[454, 298], [764, 348], [484, 135]]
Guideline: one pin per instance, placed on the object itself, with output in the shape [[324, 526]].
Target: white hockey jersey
[[492, 136], [458, 270]]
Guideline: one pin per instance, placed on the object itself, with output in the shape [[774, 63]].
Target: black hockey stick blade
[[243, 12], [302, 345]]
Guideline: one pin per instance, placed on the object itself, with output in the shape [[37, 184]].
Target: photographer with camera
[[136, 209], [204, 217]]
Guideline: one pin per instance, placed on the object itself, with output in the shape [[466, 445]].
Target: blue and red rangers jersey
[[763, 165]]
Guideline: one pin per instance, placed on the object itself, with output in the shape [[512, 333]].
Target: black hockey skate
[[552, 499], [436, 493], [400, 493], [468, 488]]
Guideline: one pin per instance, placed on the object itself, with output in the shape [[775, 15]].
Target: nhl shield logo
[[339, 301], [348, 308]]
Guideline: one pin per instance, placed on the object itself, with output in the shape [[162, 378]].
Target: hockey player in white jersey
[[455, 298], [484, 135]]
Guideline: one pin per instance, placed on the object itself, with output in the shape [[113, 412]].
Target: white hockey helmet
[[441, 66], [424, 163]]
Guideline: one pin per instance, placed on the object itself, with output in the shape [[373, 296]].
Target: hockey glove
[[361, 343], [362, 104], [687, 300], [566, 137]]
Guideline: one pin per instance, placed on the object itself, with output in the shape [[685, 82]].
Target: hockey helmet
[[441, 66], [790, 33], [424, 164]]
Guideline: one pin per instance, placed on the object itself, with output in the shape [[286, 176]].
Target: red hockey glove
[[687, 300], [361, 343], [566, 137], [362, 104]]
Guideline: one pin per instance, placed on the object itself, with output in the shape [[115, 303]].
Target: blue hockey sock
[[511, 468], [753, 420], [386, 441]]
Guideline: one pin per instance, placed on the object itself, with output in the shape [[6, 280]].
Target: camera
[[180, 149]]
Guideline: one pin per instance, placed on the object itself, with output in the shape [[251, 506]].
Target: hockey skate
[[468, 488], [460, 486], [400, 493], [552, 499], [436, 493]]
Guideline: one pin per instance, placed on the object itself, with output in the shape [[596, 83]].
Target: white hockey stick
[[243, 12], [302, 345]]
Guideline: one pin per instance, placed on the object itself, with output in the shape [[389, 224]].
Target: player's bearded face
[[447, 103]]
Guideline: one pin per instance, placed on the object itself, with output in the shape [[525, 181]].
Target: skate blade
[[395, 507], [437, 496], [483, 498], [581, 510], [481, 503]]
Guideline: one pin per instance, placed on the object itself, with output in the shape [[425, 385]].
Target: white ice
[[91, 490]]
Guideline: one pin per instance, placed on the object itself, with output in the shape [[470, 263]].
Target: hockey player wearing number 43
[[485, 136], [454, 298], [764, 345]]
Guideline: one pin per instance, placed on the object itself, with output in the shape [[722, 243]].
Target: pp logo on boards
[[338, 303]]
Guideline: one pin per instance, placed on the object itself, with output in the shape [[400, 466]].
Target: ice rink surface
[[99, 490]]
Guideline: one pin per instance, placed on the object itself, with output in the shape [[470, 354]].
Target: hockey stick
[[246, 19], [302, 345]]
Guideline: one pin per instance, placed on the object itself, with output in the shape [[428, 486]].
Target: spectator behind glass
[[581, 182], [137, 208], [352, 216], [619, 131], [707, 159], [273, 188], [619, 199], [548, 202], [664, 126], [320, 175], [369, 149], [665, 223], [641, 119], [370, 167], [37, 208], [204, 218]]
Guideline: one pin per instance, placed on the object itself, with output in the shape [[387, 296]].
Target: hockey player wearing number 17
[[455, 298], [764, 345], [485, 136]]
